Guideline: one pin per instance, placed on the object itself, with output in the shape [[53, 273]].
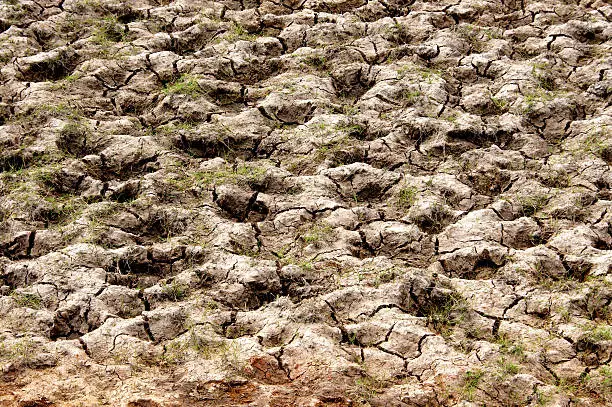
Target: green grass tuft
[[406, 197], [185, 85], [27, 300], [471, 380]]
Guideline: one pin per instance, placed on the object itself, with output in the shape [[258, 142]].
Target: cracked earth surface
[[305, 203]]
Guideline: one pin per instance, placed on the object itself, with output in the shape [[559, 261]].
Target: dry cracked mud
[[305, 203]]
